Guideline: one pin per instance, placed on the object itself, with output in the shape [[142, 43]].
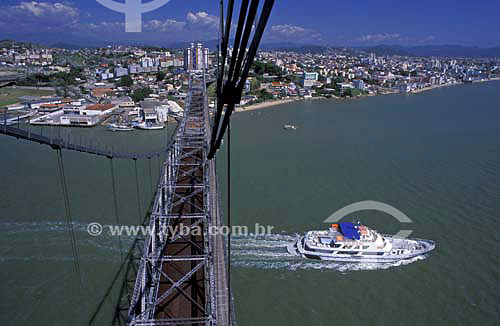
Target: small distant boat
[[291, 127], [119, 127], [149, 126]]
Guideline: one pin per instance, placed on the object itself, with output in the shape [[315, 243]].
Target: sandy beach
[[420, 90], [272, 103], [263, 105]]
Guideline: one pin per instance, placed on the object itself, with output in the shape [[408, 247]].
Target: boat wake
[[49, 241], [270, 252], [263, 252]]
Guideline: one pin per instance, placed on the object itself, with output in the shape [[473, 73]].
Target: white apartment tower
[[195, 57]]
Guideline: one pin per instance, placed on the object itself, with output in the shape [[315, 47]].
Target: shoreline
[[272, 103], [263, 105], [448, 85]]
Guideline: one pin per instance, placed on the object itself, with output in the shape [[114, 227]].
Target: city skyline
[[314, 22]]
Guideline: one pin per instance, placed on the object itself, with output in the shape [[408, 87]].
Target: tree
[[353, 92], [262, 68], [141, 93], [160, 76], [264, 95], [211, 90], [125, 81]]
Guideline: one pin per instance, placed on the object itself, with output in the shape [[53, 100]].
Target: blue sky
[[348, 23]]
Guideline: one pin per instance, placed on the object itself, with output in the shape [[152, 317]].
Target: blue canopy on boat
[[349, 230]]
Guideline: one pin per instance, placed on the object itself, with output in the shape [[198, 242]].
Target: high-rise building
[[188, 58], [196, 57]]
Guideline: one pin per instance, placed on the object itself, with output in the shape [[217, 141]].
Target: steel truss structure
[[181, 277]]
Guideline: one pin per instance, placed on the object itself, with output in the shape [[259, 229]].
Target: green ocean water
[[435, 156]]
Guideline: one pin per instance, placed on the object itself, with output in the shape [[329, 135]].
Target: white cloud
[[202, 19], [194, 22], [379, 37], [196, 26], [291, 33], [168, 25], [393, 38], [39, 16], [102, 26], [41, 9]]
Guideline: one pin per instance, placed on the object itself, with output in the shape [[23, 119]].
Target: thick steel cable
[[252, 13], [115, 206], [237, 38], [227, 32], [69, 220], [266, 12], [227, 92], [220, 80]]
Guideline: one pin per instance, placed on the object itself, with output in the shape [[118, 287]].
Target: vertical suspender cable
[[69, 220], [115, 207], [229, 222], [150, 176], [159, 166], [139, 209]]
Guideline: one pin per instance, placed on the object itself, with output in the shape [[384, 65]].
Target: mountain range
[[456, 51]]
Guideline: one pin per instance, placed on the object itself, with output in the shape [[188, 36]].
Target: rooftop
[[100, 107]]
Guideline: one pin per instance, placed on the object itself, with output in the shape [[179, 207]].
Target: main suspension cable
[[233, 88]]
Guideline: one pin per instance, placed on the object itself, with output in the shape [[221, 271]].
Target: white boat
[[291, 127], [353, 242], [119, 127], [149, 126]]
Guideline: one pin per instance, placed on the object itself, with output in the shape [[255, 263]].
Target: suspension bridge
[[170, 278]]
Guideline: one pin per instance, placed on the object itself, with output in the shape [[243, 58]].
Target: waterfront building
[[359, 83], [35, 102], [85, 116], [310, 79], [344, 87]]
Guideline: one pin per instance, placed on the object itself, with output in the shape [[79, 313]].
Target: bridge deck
[[182, 279]]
